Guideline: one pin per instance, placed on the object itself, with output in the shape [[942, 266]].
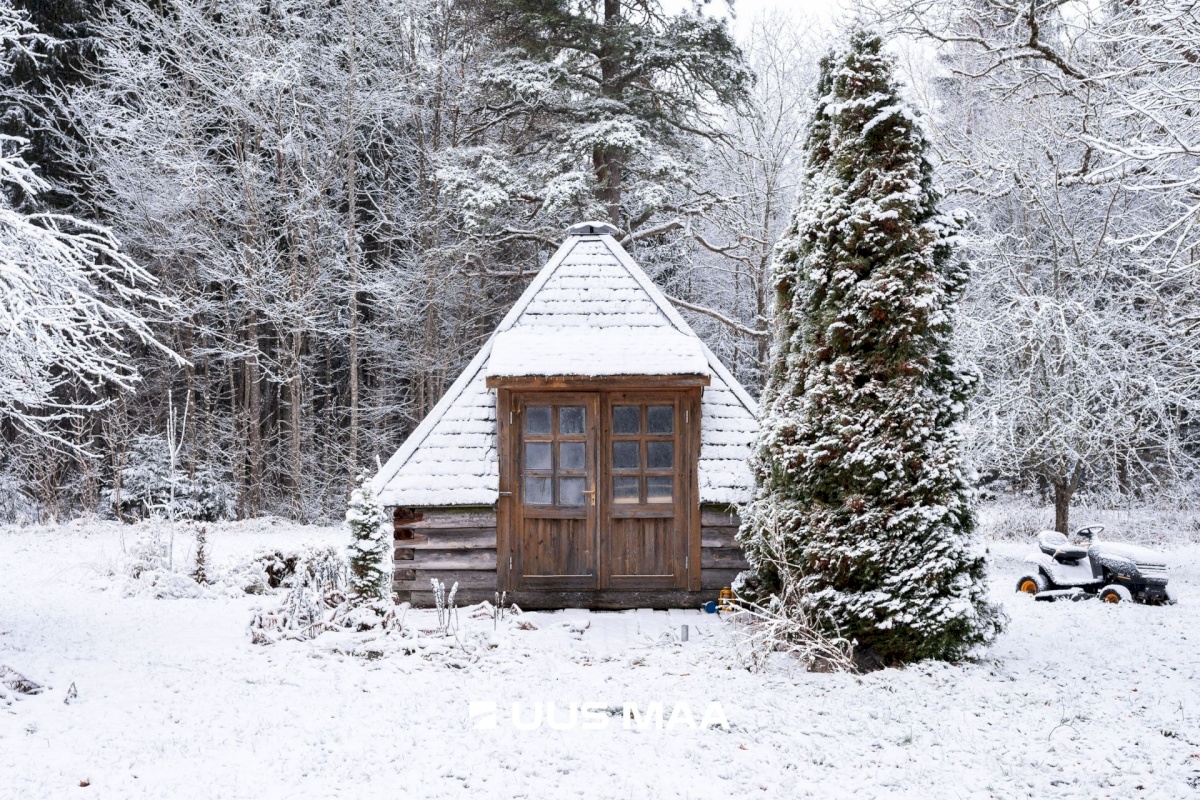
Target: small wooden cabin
[[591, 455]]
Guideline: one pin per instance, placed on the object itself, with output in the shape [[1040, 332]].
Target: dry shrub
[[318, 588], [782, 622]]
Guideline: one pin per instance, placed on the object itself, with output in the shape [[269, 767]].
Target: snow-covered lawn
[[1076, 700]]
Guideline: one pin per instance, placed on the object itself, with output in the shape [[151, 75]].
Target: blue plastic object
[[711, 607]]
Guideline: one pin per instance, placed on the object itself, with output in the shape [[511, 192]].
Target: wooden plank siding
[[721, 557], [447, 544], [460, 545]]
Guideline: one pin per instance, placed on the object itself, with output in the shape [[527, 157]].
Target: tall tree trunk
[[763, 279], [1064, 491], [254, 420], [292, 337], [352, 244], [1062, 506], [238, 441], [607, 162], [295, 423]]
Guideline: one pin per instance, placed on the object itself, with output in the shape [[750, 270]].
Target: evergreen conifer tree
[[618, 88], [370, 556], [861, 501]]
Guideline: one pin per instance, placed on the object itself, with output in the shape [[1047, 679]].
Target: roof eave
[[597, 381]]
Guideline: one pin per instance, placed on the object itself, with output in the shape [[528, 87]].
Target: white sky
[[915, 58], [824, 11]]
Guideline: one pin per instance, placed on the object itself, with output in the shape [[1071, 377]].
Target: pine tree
[[370, 556], [861, 500], [619, 89]]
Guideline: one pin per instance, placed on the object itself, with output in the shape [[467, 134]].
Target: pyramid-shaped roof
[[590, 311]]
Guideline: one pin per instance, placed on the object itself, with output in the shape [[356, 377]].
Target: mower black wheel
[[1033, 583]]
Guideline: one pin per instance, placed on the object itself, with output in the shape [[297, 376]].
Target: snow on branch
[[719, 317], [66, 312]]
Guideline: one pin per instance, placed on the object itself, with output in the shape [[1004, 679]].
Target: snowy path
[[1076, 700]]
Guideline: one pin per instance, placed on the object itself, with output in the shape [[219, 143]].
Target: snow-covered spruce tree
[[370, 556], [861, 500]]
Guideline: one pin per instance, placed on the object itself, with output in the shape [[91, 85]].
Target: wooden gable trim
[[597, 383]]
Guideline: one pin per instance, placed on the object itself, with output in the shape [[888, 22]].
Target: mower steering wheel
[[1089, 531]]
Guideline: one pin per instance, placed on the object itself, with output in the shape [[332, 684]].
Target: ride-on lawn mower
[[1116, 573]]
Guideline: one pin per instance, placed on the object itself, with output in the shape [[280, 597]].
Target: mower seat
[[1055, 545]]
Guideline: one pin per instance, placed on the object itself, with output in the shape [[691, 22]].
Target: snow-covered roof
[[589, 352], [591, 311]]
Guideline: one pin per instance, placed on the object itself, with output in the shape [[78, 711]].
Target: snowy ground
[[1076, 700]]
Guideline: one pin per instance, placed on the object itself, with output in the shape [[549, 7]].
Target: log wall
[[459, 544], [721, 557], [447, 544]]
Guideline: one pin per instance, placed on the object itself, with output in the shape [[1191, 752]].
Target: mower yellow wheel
[[1115, 593], [1029, 586]]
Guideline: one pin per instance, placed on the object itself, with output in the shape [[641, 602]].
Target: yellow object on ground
[[725, 602]]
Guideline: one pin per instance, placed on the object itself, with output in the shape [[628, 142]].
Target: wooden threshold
[[605, 600]]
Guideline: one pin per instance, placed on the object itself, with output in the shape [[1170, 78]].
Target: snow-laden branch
[[719, 317], [68, 307]]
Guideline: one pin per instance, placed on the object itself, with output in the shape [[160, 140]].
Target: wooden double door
[[601, 487]]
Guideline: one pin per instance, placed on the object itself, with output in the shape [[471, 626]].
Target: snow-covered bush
[[148, 569], [15, 686], [148, 488], [15, 505], [271, 569], [151, 569], [246, 578], [146, 552], [200, 560], [369, 605], [317, 594], [320, 583], [784, 624], [780, 621], [165, 584], [278, 566]]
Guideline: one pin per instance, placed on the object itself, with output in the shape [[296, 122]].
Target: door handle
[[590, 493]]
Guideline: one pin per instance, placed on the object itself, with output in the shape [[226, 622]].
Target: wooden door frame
[[505, 503], [690, 390]]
